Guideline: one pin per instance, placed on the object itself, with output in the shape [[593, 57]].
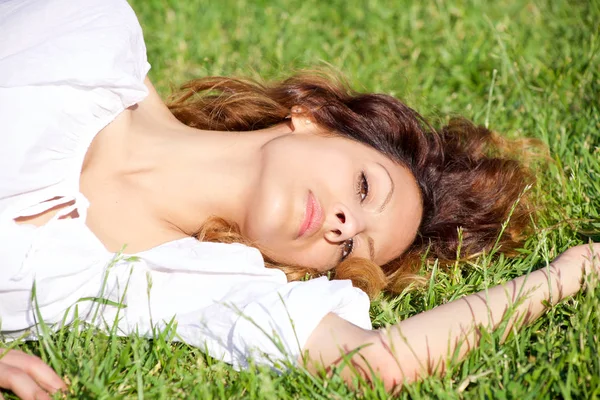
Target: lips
[[313, 217]]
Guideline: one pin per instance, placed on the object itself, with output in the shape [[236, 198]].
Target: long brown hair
[[468, 182]]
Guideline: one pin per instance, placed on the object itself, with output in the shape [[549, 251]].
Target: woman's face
[[321, 198]]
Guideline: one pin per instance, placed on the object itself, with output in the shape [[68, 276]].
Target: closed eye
[[362, 187], [347, 247]]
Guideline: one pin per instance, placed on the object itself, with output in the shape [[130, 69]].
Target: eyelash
[[362, 184], [347, 252]]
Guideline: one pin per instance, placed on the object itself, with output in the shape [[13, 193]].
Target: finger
[[36, 368], [20, 383]]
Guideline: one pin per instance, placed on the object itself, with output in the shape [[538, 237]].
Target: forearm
[[422, 344]]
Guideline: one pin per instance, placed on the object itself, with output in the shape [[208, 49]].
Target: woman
[[98, 169]]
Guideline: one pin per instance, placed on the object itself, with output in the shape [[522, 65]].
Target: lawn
[[524, 68]]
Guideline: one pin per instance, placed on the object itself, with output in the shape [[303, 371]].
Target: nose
[[343, 224]]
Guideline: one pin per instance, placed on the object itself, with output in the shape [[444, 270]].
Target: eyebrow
[[386, 201], [371, 248], [390, 193]]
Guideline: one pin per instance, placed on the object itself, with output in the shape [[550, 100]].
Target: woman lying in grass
[[212, 210]]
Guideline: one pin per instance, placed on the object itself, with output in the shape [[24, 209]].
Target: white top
[[67, 69]]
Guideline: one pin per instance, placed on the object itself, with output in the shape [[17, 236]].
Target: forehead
[[398, 229], [394, 230]]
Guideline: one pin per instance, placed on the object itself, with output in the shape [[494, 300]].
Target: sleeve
[[236, 314], [75, 43], [271, 323], [217, 297], [67, 69]]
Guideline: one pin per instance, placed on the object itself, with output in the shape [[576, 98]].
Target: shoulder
[[75, 65], [227, 302], [23, 21]]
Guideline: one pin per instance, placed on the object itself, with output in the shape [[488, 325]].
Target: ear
[[301, 120]]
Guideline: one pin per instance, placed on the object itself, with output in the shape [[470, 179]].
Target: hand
[[27, 376]]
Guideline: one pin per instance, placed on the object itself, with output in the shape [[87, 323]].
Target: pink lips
[[313, 217]]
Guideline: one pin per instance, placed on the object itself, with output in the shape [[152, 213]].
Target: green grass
[[526, 68]]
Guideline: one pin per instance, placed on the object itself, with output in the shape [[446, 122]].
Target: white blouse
[[67, 69]]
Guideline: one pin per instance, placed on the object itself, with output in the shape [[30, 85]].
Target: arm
[[420, 345]]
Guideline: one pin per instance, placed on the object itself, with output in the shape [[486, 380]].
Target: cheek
[[269, 212]]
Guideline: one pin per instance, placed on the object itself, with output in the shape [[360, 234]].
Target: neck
[[187, 175]]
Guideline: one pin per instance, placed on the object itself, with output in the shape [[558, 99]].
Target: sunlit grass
[[527, 68]]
